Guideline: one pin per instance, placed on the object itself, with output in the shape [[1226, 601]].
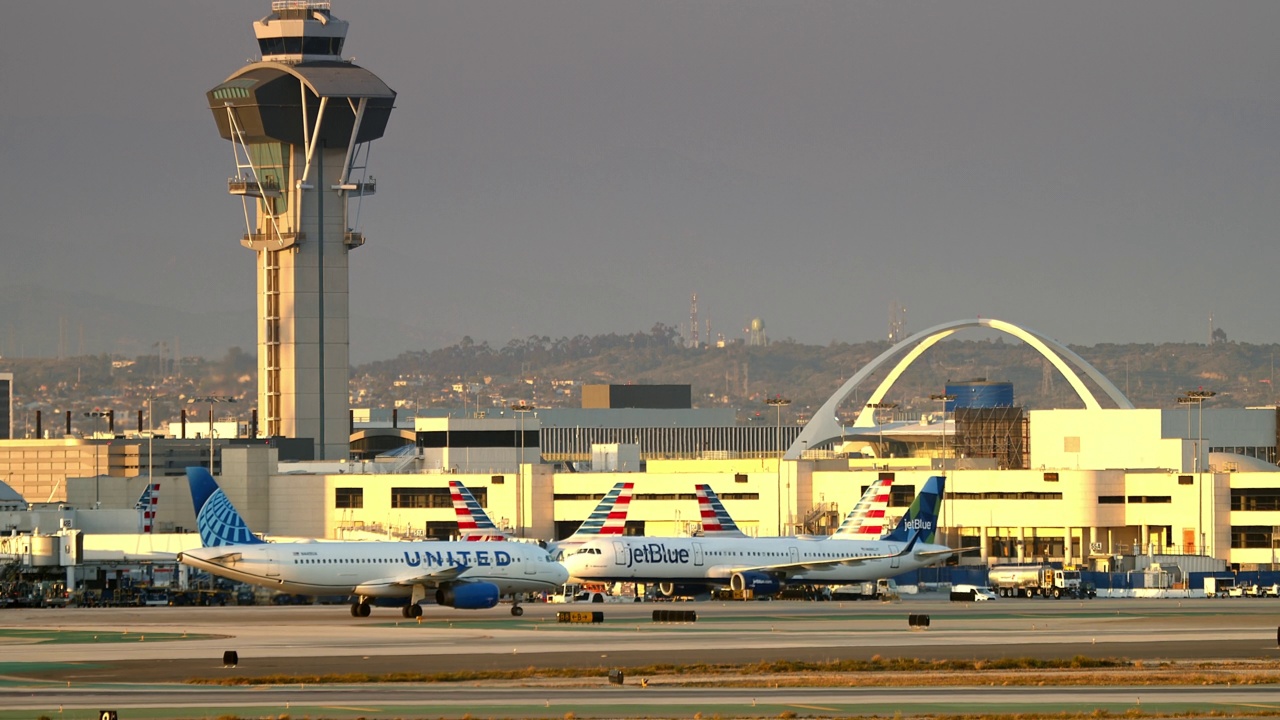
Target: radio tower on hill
[[693, 320], [300, 123]]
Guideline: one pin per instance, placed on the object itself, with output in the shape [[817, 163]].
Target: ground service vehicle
[[971, 593], [1218, 586], [865, 590], [1035, 580]]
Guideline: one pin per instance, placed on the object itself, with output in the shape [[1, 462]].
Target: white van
[[971, 593]]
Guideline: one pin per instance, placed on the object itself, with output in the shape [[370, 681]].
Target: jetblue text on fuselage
[[918, 524], [653, 553], [452, 558]]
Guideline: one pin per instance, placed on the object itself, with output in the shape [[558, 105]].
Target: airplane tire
[[517, 610], [365, 609], [404, 611], [415, 610], [355, 609]]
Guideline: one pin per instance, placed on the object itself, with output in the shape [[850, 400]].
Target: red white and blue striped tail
[[473, 523], [867, 520], [147, 505], [610, 516], [716, 520]]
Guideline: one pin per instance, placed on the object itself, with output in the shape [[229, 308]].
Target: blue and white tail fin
[[147, 503], [218, 521], [473, 521], [867, 520], [716, 521], [921, 520]]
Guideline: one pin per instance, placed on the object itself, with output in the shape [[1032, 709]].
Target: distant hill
[[550, 373], [740, 376]]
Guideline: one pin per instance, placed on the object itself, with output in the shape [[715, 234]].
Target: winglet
[[922, 517], [218, 521]]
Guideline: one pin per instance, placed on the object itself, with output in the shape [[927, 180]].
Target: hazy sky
[[1097, 171]]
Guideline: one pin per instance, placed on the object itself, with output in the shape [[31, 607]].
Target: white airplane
[[766, 565], [463, 575]]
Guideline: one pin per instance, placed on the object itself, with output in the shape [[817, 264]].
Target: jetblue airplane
[[462, 575], [766, 565]]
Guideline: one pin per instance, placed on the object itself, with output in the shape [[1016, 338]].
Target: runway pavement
[[44, 651]]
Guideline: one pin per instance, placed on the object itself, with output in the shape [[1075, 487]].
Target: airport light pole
[[1198, 396], [211, 400], [778, 402], [881, 406], [97, 416], [522, 408], [945, 398]]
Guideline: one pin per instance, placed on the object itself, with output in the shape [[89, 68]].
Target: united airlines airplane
[[463, 575], [766, 565]]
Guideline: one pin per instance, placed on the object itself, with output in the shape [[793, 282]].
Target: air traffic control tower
[[301, 122]]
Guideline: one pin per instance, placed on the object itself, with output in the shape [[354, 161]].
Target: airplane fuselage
[[712, 560], [377, 569]]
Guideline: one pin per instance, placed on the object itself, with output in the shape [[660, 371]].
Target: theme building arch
[[825, 426]]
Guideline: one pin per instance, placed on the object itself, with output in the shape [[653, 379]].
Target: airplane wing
[[949, 551], [428, 579], [226, 558]]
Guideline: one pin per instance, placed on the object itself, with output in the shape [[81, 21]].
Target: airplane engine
[[468, 596], [680, 589], [757, 582]]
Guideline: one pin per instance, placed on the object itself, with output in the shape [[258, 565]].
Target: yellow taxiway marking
[[357, 709], [817, 707]]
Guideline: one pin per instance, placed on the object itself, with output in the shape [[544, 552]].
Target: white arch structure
[[825, 426]]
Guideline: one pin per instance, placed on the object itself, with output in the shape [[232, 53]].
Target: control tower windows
[[300, 46]]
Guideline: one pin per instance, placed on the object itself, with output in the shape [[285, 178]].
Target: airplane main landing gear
[[411, 611], [517, 610], [360, 608]]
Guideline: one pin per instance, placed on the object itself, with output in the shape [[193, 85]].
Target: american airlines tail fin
[[921, 520], [867, 519], [217, 519], [609, 519], [473, 521], [147, 504], [716, 521], [610, 516]]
